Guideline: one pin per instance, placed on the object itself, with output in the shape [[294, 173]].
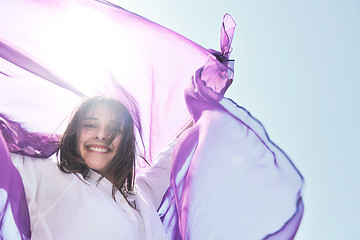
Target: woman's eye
[[88, 125], [118, 132], [114, 130]]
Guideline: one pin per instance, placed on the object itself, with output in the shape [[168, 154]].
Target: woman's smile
[[93, 140], [98, 149]]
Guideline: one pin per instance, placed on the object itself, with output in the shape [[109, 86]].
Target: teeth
[[97, 149]]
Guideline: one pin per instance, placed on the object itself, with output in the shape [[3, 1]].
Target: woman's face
[[92, 141]]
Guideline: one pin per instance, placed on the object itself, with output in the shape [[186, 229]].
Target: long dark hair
[[122, 167]]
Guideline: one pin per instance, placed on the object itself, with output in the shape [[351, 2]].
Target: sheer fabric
[[228, 179]]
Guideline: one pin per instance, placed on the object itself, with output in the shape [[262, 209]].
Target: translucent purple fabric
[[229, 181], [14, 214]]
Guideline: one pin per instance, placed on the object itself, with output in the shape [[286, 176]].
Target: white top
[[66, 206]]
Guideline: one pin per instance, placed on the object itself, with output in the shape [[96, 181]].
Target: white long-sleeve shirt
[[66, 206]]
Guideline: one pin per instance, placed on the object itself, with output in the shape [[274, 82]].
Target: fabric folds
[[14, 214], [229, 181]]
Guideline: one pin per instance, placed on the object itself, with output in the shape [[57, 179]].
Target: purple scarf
[[228, 181]]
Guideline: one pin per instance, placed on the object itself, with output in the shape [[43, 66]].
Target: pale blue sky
[[297, 71]]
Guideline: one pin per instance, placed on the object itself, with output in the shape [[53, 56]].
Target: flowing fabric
[[228, 179]]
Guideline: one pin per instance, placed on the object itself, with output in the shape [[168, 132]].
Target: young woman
[[91, 191]]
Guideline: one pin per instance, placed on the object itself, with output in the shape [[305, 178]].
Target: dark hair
[[122, 167]]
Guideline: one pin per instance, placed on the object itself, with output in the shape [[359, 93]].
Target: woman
[[95, 194], [229, 181]]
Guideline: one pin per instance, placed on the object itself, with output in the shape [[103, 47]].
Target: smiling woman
[[100, 136], [95, 167], [92, 144], [228, 179]]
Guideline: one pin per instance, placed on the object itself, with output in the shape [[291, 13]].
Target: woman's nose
[[101, 134]]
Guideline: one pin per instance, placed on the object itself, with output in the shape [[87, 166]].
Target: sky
[[297, 70]]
